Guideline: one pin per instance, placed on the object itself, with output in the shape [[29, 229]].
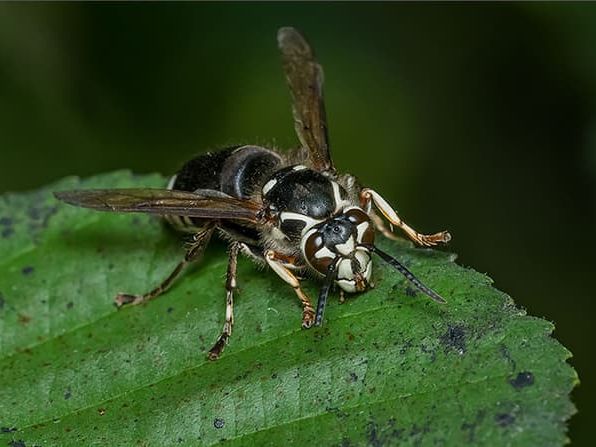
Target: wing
[[305, 79], [202, 203]]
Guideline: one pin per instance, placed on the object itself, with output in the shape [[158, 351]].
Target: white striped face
[[353, 274], [342, 241]]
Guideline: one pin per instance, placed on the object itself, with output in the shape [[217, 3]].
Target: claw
[[218, 347], [123, 299], [308, 318]]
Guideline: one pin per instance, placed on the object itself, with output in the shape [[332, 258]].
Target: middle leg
[[231, 285]]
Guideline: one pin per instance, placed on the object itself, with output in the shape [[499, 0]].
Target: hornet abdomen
[[236, 171]]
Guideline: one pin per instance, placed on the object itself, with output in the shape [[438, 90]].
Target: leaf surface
[[388, 367]]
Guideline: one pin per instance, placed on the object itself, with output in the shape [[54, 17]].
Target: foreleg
[[279, 263], [368, 196]]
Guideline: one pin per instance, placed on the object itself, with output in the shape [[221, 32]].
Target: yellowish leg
[[368, 196], [276, 261]]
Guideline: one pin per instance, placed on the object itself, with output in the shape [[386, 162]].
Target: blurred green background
[[479, 118]]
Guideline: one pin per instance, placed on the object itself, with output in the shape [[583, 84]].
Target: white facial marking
[[368, 271], [299, 168], [324, 253], [361, 228], [362, 257], [347, 285], [344, 270], [268, 186], [347, 247]]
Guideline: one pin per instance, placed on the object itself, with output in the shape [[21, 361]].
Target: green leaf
[[388, 367]]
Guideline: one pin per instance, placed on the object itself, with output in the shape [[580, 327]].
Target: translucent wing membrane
[[305, 79], [204, 204]]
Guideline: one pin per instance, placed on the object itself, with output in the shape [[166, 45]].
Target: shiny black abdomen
[[236, 171]]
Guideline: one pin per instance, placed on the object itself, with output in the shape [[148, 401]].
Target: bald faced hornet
[[289, 210]]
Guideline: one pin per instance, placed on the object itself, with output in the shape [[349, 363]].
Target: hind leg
[[196, 249]]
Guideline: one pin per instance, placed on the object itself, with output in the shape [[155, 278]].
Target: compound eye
[[317, 255], [356, 216], [365, 231]]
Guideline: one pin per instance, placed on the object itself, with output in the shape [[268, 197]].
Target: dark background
[[479, 118]]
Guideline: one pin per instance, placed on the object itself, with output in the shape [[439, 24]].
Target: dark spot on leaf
[[454, 339], [169, 310], [470, 427], [24, 319], [6, 221], [2, 301], [67, 394], [19, 443], [8, 429], [7, 232], [27, 270], [410, 292], [504, 419], [274, 376], [416, 430], [353, 377], [373, 435], [101, 411], [34, 212], [41, 213], [522, 380], [69, 305], [219, 423]]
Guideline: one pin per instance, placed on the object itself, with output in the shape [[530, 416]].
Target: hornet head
[[339, 247]]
